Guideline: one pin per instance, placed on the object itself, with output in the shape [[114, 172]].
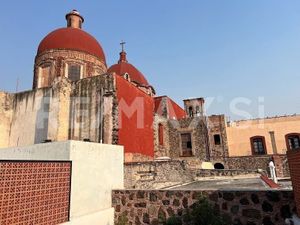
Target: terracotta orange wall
[[139, 141], [158, 106], [240, 132], [175, 111]]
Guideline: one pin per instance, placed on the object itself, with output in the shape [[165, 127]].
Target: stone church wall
[[197, 128], [93, 110], [217, 126], [161, 149], [40, 115], [6, 101], [135, 116]]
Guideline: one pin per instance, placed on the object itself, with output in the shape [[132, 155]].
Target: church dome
[[72, 38], [123, 67]]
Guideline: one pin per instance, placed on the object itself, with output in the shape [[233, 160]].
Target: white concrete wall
[[96, 170]]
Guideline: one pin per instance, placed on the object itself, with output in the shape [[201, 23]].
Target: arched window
[[126, 76], [219, 166], [258, 145], [44, 75], [74, 71], [161, 134], [198, 111], [292, 141], [191, 113]]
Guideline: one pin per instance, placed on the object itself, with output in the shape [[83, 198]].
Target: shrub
[[174, 221], [204, 213]]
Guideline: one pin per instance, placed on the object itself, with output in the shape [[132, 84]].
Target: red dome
[[124, 67], [73, 39]]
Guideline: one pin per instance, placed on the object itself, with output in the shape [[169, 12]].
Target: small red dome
[[124, 67], [72, 39]]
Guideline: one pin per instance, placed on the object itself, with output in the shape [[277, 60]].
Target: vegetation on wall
[[201, 213]]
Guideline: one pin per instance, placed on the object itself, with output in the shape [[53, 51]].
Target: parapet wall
[[243, 207], [259, 162]]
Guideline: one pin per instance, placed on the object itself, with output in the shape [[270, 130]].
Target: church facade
[[76, 96]]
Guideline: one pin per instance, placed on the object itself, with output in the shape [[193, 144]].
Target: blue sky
[[217, 49]]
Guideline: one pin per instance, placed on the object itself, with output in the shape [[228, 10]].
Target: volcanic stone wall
[[151, 175], [197, 128], [163, 149], [243, 207], [249, 162], [217, 126]]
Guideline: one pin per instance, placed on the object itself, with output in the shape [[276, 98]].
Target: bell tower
[[194, 107]]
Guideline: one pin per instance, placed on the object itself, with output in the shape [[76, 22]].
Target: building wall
[[294, 163], [93, 110], [161, 149], [156, 174], [85, 109], [196, 126], [166, 107], [217, 126], [6, 102], [25, 189], [40, 115], [30, 117], [240, 132], [243, 207], [136, 112]]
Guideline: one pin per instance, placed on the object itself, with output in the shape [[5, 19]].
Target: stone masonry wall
[[259, 162], [223, 173], [152, 174], [281, 164], [217, 126], [197, 128], [243, 207], [161, 150], [249, 163], [92, 113]]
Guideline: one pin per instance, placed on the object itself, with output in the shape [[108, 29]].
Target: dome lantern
[[74, 19]]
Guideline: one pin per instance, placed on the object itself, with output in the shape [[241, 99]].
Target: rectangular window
[[293, 142], [45, 76], [258, 145], [186, 144], [74, 72], [161, 134], [217, 139]]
